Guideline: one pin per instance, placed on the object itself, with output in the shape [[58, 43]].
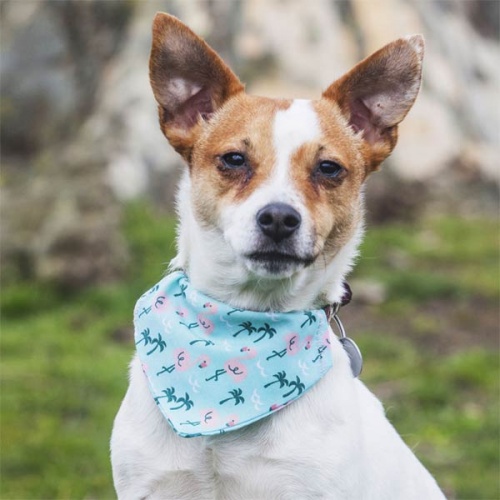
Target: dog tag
[[354, 355], [350, 348]]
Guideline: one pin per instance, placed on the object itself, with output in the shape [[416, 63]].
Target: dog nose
[[278, 221]]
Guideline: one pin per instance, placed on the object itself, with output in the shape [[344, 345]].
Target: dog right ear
[[377, 94], [189, 80]]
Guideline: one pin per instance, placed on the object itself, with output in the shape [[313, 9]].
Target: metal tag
[[354, 355], [350, 347]]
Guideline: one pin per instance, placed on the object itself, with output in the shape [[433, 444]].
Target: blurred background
[[87, 193]]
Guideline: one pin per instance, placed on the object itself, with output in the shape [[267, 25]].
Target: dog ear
[[378, 92], [189, 80]]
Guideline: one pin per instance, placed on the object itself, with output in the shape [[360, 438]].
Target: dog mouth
[[275, 262]]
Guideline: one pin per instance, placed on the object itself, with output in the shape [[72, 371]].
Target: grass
[[438, 372], [64, 359], [64, 363], [445, 257], [446, 409]]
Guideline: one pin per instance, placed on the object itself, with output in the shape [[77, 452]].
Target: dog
[[271, 215]]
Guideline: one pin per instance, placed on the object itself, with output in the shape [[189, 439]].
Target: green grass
[[64, 372], [445, 407], [64, 360], [444, 257]]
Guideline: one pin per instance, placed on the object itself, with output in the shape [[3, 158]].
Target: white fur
[[333, 443]]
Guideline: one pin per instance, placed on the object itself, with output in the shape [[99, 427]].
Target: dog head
[[277, 183]]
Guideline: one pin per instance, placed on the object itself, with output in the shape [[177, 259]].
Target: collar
[[212, 368]]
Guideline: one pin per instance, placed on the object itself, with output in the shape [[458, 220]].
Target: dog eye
[[233, 160], [330, 169]]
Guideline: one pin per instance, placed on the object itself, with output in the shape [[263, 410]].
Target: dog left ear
[[189, 80], [377, 94]]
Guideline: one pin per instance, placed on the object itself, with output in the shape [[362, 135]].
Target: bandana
[[212, 368]]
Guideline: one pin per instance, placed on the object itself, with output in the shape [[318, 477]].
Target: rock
[[381, 22], [368, 292], [388, 198], [63, 224], [60, 221], [53, 56], [311, 46], [80, 241], [137, 158], [429, 140]]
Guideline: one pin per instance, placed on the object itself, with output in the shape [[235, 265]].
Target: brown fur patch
[[334, 205], [245, 125]]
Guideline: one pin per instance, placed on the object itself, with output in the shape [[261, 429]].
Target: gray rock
[[60, 221]]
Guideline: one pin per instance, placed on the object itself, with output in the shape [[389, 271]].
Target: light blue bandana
[[212, 368]]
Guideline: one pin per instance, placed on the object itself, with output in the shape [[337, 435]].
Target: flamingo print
[[234, 366], [232, 421], [161, 303], [209, 417], [325, 343], [202, 322], [182, 312], [210, 307], [278, 406], [182, 362], [206, 325], [294, 344]]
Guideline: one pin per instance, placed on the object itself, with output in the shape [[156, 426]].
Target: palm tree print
[[296, 385], [236, 395], [185, 402], [169, 393], [280, 378], [246, 326], [146, 338], [267, 330], [159, 344], [311, 318]]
